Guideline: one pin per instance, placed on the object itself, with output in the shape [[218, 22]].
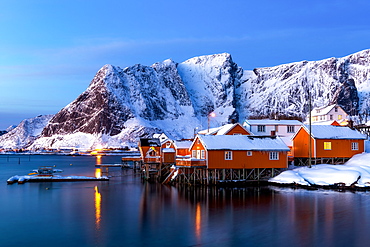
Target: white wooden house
[[323, 115], [282, 128]]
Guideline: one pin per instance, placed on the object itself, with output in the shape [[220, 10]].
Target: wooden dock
[[28, 178]]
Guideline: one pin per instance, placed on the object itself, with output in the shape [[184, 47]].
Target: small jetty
[[46, 174], [112, 165]]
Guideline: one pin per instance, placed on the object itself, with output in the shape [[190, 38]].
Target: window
[[274, 156], [317, 111], [249, 153], [339, 117], [336, 109], [331, 117], [168, 145], [228, 155], [354, 145], [290, 128], [261, 128], [203, 154], [327, 145], [194, 154], [276, 128]]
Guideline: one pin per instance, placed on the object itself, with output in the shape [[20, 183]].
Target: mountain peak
[[123, 105]]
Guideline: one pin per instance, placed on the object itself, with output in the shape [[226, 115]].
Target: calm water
[[127, 212]]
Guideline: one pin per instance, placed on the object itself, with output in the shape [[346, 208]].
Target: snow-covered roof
[[287, 140], [243, 142], [182, 144], [319, 111], [168, 150], [322, 110], [213, 131], [223, 130], [162, 137], [333, 132], [271, 122], [326, 122]]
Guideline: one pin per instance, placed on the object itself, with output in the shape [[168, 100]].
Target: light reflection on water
[[126, 212]]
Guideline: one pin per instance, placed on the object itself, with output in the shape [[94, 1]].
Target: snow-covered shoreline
[[355, 173]]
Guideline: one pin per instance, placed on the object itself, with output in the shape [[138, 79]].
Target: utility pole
[[309, 123]]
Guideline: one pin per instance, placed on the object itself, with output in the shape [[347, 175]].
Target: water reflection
[[97, 208], [126, 212], [98, 172], [98, 159], [198, 222]]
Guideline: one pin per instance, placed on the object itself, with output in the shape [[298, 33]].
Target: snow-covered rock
[[25, 133], [354, 172]]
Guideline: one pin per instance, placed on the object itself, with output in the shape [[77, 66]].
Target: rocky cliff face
[[140, 100], [122, 105], [284, 90]]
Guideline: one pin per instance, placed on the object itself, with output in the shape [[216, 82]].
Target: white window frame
[[194, 154], [290, 129], [261, 128], [274, 155], [354, 146], [228, 155], [249, 153], [202, 154]]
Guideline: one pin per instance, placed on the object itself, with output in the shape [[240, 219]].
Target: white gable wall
[[336, 113], [280, 130]]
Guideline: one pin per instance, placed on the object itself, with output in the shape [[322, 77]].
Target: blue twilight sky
[[50, 50]]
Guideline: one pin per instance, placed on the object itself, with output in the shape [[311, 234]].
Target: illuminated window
[[354, 145], [274, 156], [249, 153], [168, 145], [228, 155], [261, 128], [327, 145], [339, 117]]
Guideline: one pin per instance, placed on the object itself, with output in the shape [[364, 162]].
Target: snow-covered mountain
[[122, 105], [25, 133], [284, 89]]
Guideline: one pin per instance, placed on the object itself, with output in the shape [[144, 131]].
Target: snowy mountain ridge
[[122, 105]]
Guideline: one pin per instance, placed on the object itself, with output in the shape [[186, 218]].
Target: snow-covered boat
[[45, 170]]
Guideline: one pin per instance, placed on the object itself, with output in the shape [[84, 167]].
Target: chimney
[[350, 124], [273, 133]]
